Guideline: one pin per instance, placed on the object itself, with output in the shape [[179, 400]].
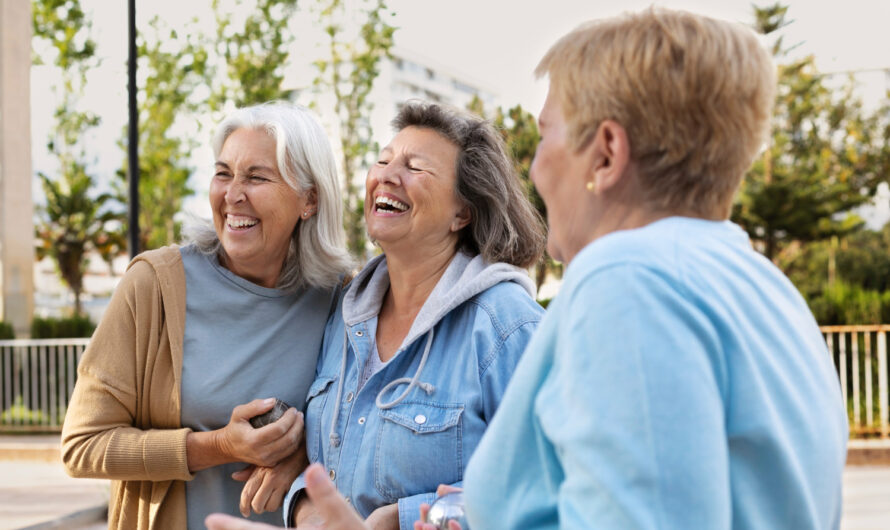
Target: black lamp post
[[133, 142]]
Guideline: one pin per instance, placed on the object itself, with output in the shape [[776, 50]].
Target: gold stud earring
[[590, 186]]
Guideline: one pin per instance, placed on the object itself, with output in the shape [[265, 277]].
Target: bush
[[6, 331], [845, 304], [62, 328], [19, 413]]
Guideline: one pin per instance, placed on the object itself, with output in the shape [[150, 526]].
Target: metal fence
[[860, 355], [38, 376]]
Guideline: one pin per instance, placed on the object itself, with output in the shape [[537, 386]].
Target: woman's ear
[[461, 219], [610, 153]]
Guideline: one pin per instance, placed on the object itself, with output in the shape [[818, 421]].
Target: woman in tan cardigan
[[198, 339]]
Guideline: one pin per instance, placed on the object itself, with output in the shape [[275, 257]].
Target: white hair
[[317, 255]]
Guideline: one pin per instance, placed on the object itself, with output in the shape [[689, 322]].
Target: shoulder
[[506, 306], [153, 269]]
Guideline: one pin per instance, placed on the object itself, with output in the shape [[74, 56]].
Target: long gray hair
[[317, 255]]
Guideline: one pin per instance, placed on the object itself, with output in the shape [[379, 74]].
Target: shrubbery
[[62, 328], [6, 331]]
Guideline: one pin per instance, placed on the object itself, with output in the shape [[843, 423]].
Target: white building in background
[[410, 76]]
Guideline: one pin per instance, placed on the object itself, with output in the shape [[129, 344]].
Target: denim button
[[361, 421], [420, 419], [359, 333], [349, 397], [332, 474]]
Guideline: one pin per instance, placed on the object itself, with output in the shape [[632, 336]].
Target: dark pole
[[133, 143]]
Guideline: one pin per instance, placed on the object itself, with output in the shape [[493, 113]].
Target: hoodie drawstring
[[426, 387], [412, 382]]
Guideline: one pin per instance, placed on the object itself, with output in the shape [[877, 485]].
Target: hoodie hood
[[465, 277]]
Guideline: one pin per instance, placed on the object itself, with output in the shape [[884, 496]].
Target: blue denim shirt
[[401, 454]]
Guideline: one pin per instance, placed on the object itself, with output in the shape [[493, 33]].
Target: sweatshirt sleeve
[[100, 437]]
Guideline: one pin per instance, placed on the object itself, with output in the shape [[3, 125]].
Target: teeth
[[240, 222], [398, 205]]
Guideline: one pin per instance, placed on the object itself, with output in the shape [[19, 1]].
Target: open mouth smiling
[[385, 204], [240, 222]]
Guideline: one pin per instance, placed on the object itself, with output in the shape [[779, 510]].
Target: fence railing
[[38, 376], [860, 356]]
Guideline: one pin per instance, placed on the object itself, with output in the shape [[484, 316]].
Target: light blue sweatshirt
[[678, 381]]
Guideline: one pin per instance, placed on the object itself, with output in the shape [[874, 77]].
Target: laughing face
[[254, 210], [411, 201]]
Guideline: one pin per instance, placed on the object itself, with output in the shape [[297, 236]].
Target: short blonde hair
[[694, 94]]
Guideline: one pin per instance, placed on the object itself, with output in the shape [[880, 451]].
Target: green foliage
[[176, 69], [7, 332], [845, 281], [255, 55], [73, 221], [19, 413], [826, 156], [842, 303], [519, 129], [349, 73], [62, 328]]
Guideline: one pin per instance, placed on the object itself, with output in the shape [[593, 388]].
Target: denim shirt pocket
[[419, 446], [315, 403]]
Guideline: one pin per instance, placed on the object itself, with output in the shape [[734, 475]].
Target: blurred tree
[[73, 221], [825, 157], [359, 37], [172, 96], [519, 129], [255, 54]]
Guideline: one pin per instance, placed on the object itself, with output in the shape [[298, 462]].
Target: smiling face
[[254, 210], [411, 202]]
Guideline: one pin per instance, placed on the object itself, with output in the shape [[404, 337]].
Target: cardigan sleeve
[[109, 430]]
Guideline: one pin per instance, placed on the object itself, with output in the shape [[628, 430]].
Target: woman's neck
[[412, 280]]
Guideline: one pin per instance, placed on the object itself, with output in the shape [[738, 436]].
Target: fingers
[[218, 521], [247, 494], [262, 496], [424, 511], [249, 410], [445, 488], [328, 501], [244, 474]]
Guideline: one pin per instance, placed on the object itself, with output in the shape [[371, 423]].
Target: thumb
[[332, 507], [255, 407]]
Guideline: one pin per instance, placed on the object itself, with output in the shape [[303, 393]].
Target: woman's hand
[[267, 445], [425, 510], [239, 441], [306, 516], [265, 487], [384, 518], [338, 514]]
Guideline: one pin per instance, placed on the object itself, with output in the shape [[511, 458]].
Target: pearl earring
[[590, 186]]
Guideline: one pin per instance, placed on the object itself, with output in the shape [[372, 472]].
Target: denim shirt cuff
[[409, 509], [290, 500]]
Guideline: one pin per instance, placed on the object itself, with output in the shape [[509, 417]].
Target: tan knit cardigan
[[123, 419]]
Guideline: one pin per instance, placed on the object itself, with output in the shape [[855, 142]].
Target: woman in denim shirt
[[417, 357]]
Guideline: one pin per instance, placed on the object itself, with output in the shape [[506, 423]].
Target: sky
[[494, 43]]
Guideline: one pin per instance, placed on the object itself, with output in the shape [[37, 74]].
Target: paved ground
[[35, 490]]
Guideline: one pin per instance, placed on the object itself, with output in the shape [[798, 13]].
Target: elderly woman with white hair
[[198, 339]]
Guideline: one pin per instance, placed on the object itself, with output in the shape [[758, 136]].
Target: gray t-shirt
[[242, 342]]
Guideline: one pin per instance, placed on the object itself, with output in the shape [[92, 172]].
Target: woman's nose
[[235, 192], [389, 174]]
